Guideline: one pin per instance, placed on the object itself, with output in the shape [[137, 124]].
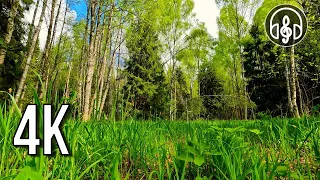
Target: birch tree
[[91, 56], [30, 51], [234, 20], [46, 51], [175, 26]]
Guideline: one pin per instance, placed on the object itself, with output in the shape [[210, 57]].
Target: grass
[[261, 149]]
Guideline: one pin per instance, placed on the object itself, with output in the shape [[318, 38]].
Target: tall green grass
[[261, 149]]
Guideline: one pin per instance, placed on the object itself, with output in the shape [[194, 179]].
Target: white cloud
[[71, 15], [207, 12]]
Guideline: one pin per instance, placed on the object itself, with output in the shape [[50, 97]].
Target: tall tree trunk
[[24, 91], [172, 50], [67, 86], [56, 23], [31, 26], [199, 89], [172, 83], [91, 62], [237, 87], [57, 56], [110, 70], [306, 99], [93, 99], [118, 86], [51, 69], [301, 104], [30, 51], [66, 92], [79, 95], [104, 61], [10, 28], [100, 36], [82, 64], [293, 87], [46, 51], [287, 74], [175, 100]]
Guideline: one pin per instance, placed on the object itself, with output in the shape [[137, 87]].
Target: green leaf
[[215, 128], [192, 150], [282, 170], [256, 131], [32, 174], [30, 162], [185, 157], [199, 160], [204, 147], [21, 176], [28, 173], [295, 175], [213, 153], [237, 129]]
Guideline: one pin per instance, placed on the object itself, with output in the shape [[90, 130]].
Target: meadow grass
[[260, 149]]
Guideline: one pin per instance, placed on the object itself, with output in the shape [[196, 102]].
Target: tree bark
[[104, 62], [293, 87], [80, 91], [287, 74], [100, 36], [108, 79], [45, 56], [301, 104], [57, 56], [31, 26], [66, 92], [10, 28], [117, 81], [91, 62], [30, 52], [56, 23]]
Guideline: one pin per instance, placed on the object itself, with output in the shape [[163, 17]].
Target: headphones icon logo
[[286, 25]]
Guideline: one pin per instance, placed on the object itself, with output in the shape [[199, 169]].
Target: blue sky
[[80, 8]]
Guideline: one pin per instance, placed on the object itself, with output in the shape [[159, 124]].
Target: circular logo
[[286, 25]]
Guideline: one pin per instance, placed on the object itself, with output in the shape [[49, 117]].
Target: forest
[[146, 59], [153, 95]]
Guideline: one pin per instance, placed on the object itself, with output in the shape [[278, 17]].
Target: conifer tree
[[145, 75]]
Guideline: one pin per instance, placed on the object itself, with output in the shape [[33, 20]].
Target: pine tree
[[145, 86]]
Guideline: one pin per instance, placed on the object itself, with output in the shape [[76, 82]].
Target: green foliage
[[11, 70], [265, 64], [265, 71], [145, 86], [266, 149], [211, 91]]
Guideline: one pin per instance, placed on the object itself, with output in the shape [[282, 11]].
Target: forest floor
[[260, 149]]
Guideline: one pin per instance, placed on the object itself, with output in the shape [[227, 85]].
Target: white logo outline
[[295, 26]]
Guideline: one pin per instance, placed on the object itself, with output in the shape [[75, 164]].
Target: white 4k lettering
[[31, 116], [53, 130], [50, 130]]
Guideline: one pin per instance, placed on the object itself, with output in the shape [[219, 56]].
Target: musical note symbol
[[285, 31], [286, 25]]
